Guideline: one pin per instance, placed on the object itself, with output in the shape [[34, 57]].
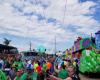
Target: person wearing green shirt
[[19, 64], [19, 75], [44, 67], [63, 73], [2, 75], [30, 74]]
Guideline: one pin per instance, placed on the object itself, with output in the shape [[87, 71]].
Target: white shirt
[[2, 62]]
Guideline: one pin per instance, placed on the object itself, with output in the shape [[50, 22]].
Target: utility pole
[[55, 45], [30, 46], [91, 35]]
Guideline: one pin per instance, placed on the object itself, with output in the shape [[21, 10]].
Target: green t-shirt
[[2, 75], [19, 64], [44, 67], [17, 78], [63, 74], [24, 76], [34, 76]]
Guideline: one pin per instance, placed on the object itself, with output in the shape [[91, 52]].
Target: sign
[[86, 43]]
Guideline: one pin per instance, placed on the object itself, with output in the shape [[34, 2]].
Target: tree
[[6, 41]]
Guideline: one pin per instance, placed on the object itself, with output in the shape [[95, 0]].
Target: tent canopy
[[6, 47]]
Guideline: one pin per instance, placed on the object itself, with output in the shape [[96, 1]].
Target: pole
[[30, 45], [55, 45], [91, 35], [65, 7]]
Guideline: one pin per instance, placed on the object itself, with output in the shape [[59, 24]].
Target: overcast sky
[[39, 21]]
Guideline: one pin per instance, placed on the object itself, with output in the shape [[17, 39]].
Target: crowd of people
[[41, 68]]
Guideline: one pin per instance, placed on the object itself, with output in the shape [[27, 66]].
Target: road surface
[[87, 78]]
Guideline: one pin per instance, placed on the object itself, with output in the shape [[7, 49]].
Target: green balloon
[[98, 68], [82, 68], [90, 63], [88, 58], [98, 55], [92, 53], [98, 60], [94, 63], [84, 53], [87, 68]]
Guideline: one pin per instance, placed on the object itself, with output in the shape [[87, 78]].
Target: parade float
[[87, 51], [90, 59]]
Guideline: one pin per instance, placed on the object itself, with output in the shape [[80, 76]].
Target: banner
[[86, 43]]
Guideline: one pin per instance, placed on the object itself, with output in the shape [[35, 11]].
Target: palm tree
[[6, 41]]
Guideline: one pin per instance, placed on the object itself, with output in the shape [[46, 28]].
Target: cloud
[[42, 20]]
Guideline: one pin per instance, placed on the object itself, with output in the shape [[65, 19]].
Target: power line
[[65, 7]]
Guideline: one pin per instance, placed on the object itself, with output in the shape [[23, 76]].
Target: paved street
[[87, 78]]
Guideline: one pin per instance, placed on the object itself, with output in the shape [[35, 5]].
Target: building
[[97, 40], [4, 49]]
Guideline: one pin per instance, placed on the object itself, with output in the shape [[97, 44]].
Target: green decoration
[[90, 63]]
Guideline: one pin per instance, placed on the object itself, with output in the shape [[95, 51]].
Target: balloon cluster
[[90, 62]]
